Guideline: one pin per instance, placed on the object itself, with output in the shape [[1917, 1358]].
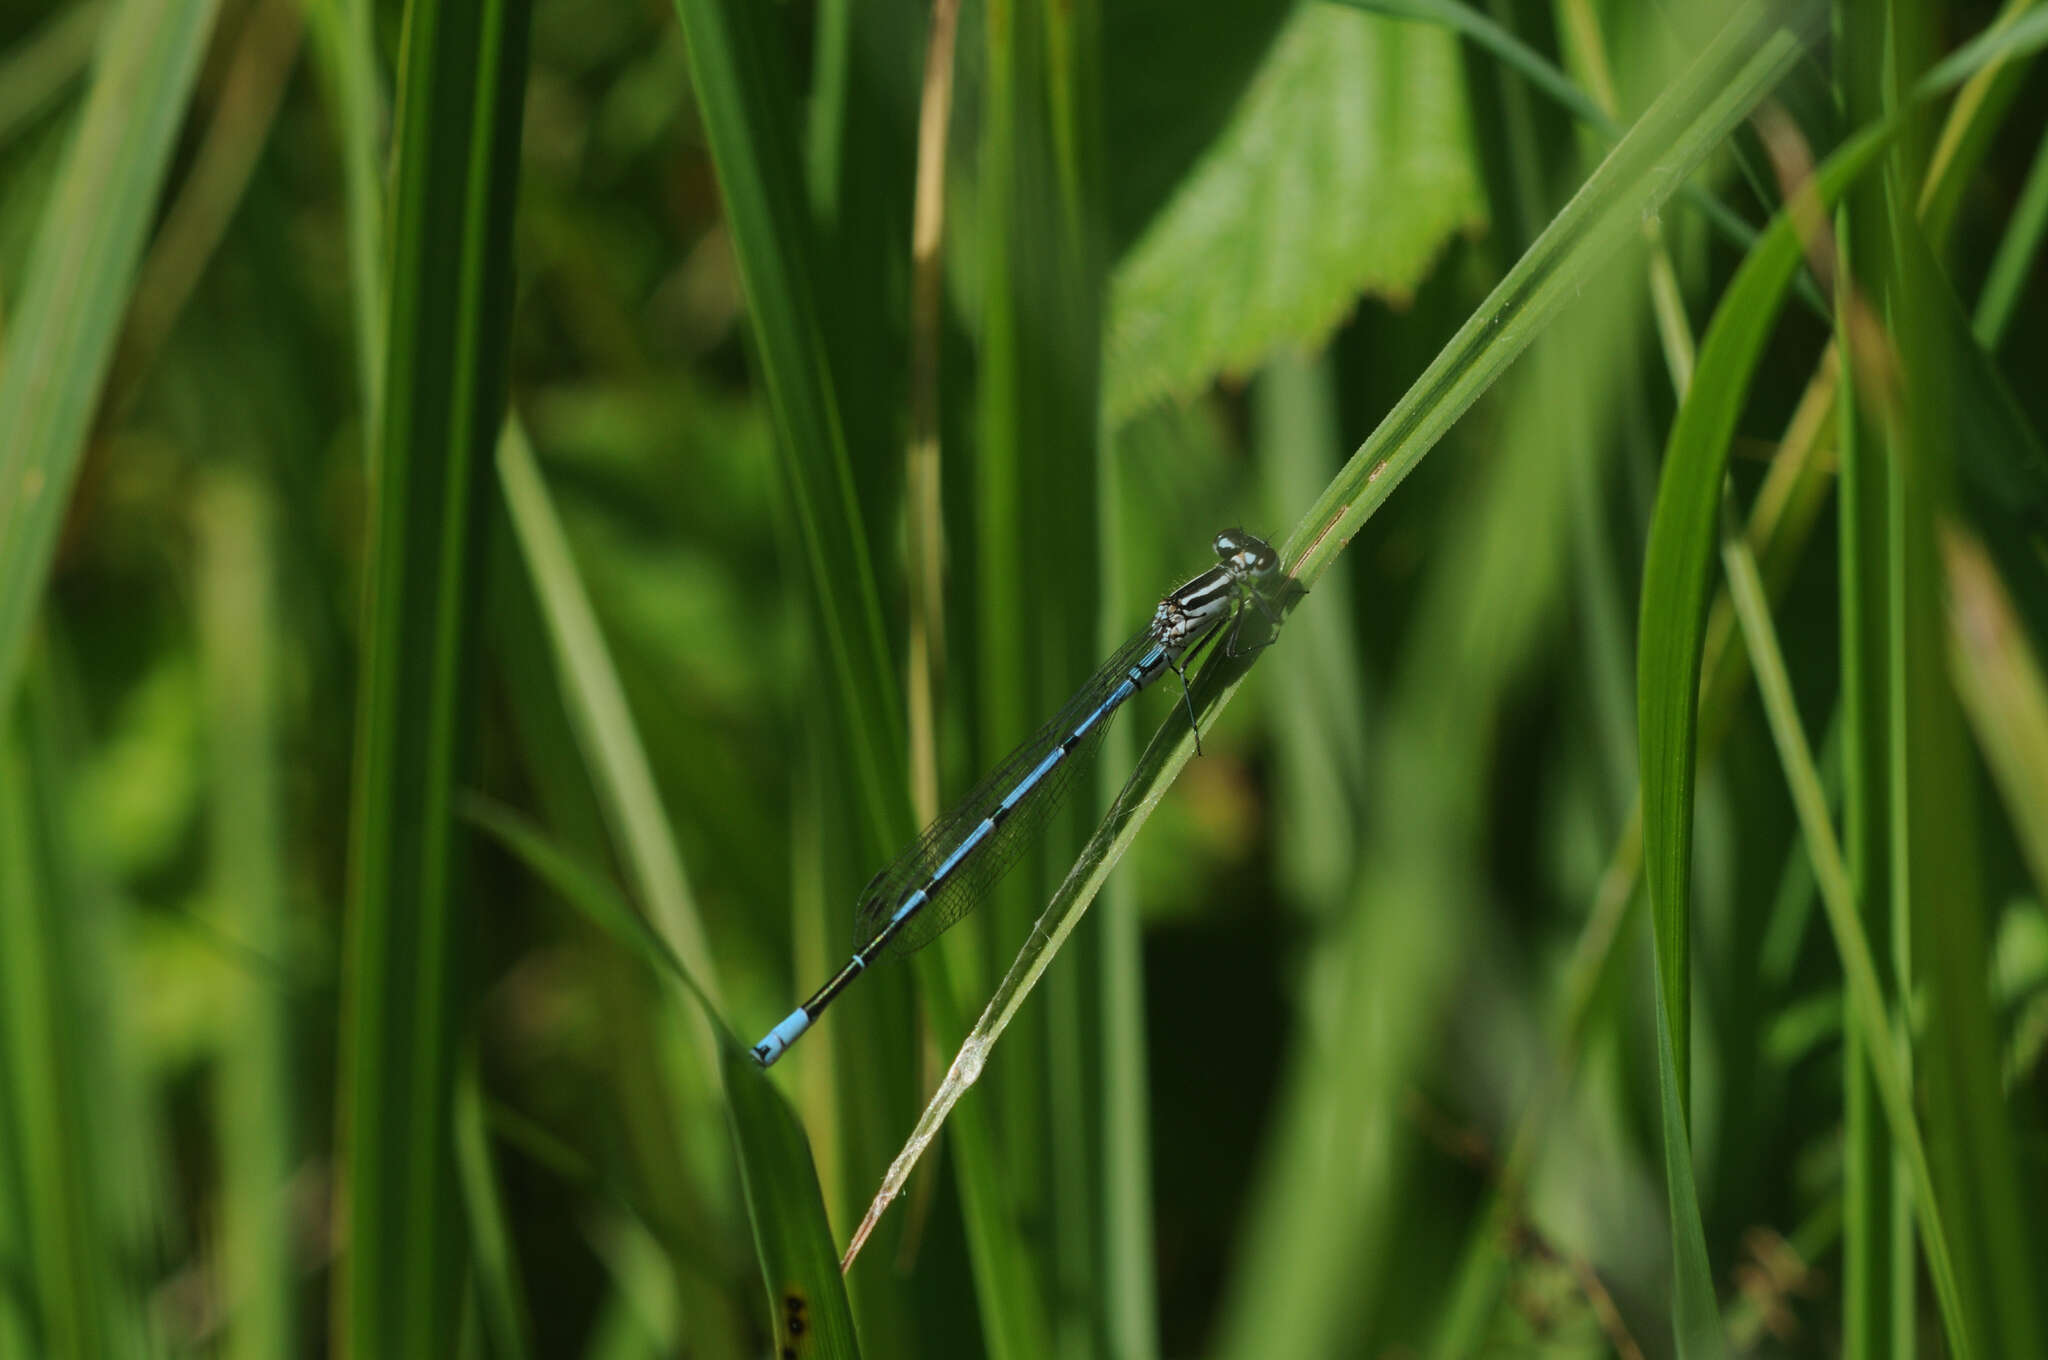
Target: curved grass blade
[[1735, 71], [60, 340], [793, 1238], [1672, 633], [603, 722], [1676, 566]]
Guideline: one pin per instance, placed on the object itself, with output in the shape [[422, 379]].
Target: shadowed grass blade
[[792, 1237]]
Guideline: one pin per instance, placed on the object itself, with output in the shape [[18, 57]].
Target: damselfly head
[[1246, 555]]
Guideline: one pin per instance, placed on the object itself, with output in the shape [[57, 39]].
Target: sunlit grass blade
[[400, 1288], [60, 336]]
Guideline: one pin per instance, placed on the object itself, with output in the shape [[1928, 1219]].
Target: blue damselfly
[[950, 869]]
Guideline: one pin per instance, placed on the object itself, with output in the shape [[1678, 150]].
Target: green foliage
[[1346, 170], [706, 530]]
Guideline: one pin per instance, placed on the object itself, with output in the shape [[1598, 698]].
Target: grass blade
[[806, 1294], [2000, 682], [1669, 659], [2017, 255], [1675, 575], [1866, 997], [603, 722], [400, 1290], [501, 1295], [63, 1148], [745, 97], [60, 340]]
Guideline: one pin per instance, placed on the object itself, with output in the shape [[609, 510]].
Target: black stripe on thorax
[[1204, 590]]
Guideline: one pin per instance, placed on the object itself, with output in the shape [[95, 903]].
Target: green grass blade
[[38, 69], [746, 99], [1950, 404], [807, 1295], [1866, 997], [584, 887], [256, 1115], [401, 1287], [1036, 545], [1320, 714], [1675, 577], [501, 1294], [1672, 632], [1999, 679], [347, 59], [76, 1288], [2019, 251], [60, 339], [617, 761]]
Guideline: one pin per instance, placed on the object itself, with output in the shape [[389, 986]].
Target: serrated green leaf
[[1347, 166]]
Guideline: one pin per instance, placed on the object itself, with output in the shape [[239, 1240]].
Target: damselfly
[[949, 870]]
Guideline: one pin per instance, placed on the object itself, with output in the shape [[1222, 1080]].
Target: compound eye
[[1262, 558], [1226, 544]]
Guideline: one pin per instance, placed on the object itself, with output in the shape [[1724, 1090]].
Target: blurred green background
[[512, 510]]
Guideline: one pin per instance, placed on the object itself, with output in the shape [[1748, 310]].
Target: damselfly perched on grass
[[949, 870]]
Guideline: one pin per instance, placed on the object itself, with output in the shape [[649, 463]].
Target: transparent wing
[[974, 878]]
